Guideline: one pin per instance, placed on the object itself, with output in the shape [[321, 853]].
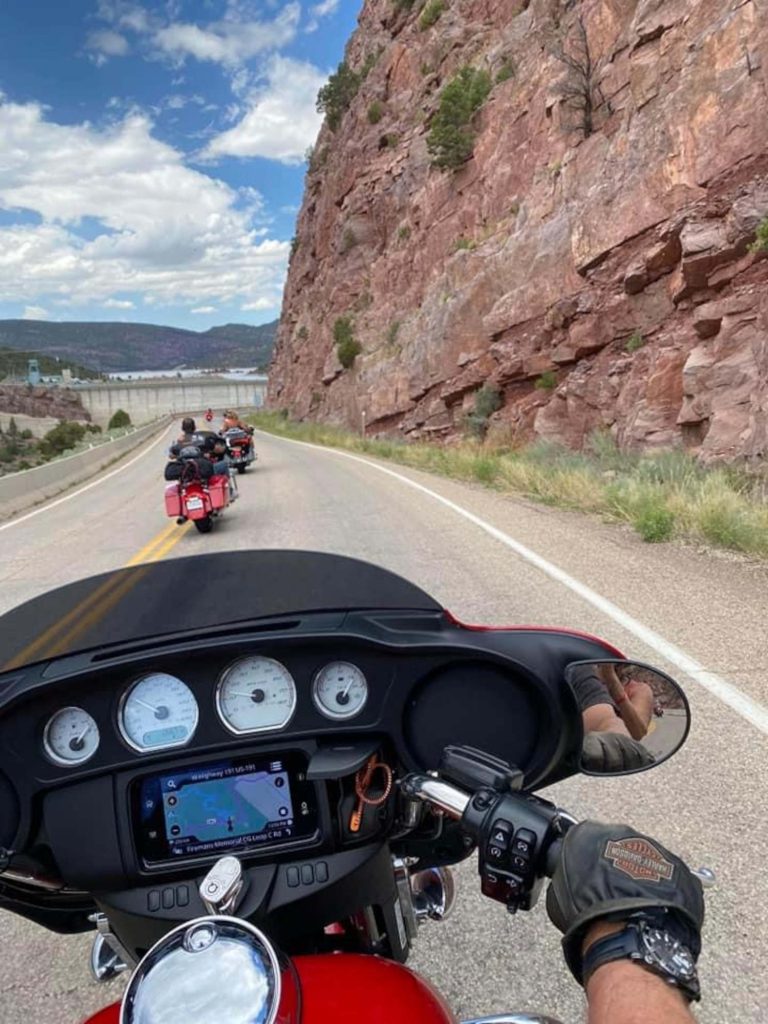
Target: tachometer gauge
[[71, 737], [159, 711], [340, 690], [255, 694]]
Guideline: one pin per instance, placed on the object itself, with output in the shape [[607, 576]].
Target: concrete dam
[[146, 400]]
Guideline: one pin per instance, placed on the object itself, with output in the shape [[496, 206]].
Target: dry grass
[[662, 496]]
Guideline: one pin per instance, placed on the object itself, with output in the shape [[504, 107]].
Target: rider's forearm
[[624, 993]]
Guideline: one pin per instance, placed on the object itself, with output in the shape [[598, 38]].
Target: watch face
[[672, 956]]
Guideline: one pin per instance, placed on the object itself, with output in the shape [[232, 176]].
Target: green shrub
[[403, 233], [302, 334], [506, 71], [392, 332], [404, 5], [451, 138], [431, 14], [389, 141], [294, 246], [375, 112], [547, 381], [760, 243], [120, 419], [653, 520], [464, 244], [26, 434], [348, 241], [487, 401], [61, 438], [347, 345], [634, 342], [336, 95]]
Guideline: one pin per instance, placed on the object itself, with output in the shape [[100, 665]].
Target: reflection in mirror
[[634, 716]]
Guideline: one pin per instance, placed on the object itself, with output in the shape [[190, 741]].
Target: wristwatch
[[652, 944]]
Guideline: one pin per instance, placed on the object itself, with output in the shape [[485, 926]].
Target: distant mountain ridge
[[123, 347]]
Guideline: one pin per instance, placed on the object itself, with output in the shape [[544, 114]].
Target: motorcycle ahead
[[195, 494], [239, 447], [282, 781]]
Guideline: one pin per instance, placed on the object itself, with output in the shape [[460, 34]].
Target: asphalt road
[[708, 803]]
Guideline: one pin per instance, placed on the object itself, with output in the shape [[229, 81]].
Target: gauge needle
[[239, 693], [83, 734], [144, 704], [347, 689]]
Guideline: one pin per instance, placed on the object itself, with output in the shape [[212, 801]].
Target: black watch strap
[[628, 944]]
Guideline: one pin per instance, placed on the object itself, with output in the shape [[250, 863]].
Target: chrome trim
[[706, 876], [439, 795], [221, 888], [105, 931], [105, 963], [514, 1018], [434, 894], [34, 882], [334, 715], [138, 748], [405, 897], [262, 728], [51, 754]]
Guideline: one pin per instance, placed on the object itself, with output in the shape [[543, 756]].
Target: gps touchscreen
[[239, 804]]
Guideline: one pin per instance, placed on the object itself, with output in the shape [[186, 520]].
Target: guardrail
[[19, 491]]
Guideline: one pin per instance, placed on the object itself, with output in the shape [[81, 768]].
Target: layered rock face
[[598, 279], [59, 403]]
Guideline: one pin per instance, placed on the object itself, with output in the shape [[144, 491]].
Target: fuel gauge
[[340, 690], [71, 737]]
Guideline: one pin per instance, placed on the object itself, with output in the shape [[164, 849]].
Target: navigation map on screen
[[222, 807]]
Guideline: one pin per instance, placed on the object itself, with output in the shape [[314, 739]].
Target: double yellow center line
[[61, 635]]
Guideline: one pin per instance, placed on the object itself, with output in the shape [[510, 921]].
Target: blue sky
[[152, 154]]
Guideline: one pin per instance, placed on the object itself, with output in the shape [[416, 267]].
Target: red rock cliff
[[599, 280]]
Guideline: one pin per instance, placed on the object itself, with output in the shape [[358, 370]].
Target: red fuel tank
[[346, 988]]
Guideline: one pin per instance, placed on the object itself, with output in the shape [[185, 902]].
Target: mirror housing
[[634, 716]]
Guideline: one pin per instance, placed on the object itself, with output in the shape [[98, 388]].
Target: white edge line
[[751, 710], [87, 487]]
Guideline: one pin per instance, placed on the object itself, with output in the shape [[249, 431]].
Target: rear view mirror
[[634, 716]]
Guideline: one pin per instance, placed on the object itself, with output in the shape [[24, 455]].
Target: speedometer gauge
[[159, 711], [255, 694], [340, 690], [71, 737]]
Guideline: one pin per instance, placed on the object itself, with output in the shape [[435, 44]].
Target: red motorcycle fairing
[[352, 988]]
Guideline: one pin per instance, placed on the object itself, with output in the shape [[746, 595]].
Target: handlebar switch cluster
[[507, 863]]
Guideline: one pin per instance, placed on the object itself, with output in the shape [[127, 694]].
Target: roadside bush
[[120, 418], [375, 112], [336, 95], [487, 401], [431, 14], [760, 243], [348, 348], [547, 381], [451, 138], [61, 438], [506, 71], [26, 434], [634, 342]]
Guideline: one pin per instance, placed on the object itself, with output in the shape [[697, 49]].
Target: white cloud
[[170, 233], [321, 10], [259, 304], [34, 313], [230, 41], [107, 43], [281, 121], [119, 304], [203, 309]]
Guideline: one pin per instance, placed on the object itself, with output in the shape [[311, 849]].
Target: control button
[[321, 871], [495, 854], [522, 847], [153, 900], [501, 886], [182, 895], [293, 877], [501, 834], [307, 874], [526, 835], [521, 864], [169, 899], [482, 801]]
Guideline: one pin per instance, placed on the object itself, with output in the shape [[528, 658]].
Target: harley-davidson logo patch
[[639, 859]]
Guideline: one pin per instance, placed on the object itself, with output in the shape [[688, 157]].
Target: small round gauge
[[71, 737], [255, 694], [340, 690], [157, 712]]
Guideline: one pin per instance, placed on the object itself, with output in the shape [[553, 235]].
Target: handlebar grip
[[553, 857]]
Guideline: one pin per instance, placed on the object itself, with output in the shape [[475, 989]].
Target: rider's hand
[[612, 752], [607, 872]]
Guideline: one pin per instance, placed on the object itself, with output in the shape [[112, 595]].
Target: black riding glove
[[612, 871], [612, 752]]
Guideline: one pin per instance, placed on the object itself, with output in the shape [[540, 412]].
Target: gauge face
[[159, 711], [255, 694], [71, 737], [340, 690]]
